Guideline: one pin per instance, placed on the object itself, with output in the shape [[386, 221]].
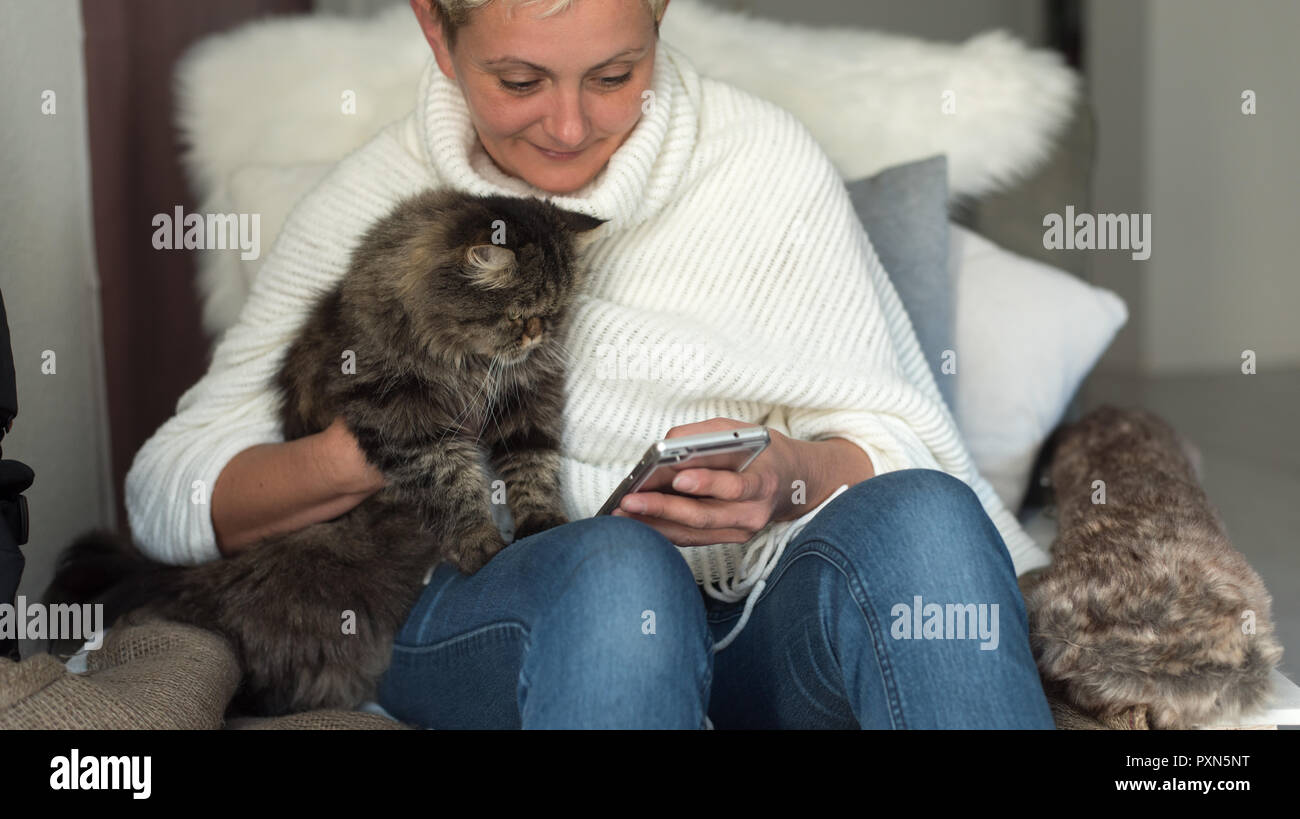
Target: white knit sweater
[[729, 233]]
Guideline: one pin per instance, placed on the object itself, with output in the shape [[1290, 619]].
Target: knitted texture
[[326, 719], [148, 674], [733, 279], [153, 675]]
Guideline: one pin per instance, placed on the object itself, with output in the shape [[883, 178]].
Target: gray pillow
[[904, 210]]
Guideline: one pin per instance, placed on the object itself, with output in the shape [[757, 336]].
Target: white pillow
[[875, 99], [1027, 334]]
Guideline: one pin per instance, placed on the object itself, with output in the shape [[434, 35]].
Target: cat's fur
[[425, 313], [1139, 619]]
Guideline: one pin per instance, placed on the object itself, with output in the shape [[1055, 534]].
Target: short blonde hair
[[455, 13]]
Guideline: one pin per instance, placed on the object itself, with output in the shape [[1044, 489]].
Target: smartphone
[[732, 449]]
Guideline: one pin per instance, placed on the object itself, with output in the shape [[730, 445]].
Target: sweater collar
[[639, 178]]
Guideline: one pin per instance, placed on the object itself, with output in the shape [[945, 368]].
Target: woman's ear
[[431, 25], [490, 266]]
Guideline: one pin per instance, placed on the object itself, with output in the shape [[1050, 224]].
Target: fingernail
[[684, 483], [634, 505]]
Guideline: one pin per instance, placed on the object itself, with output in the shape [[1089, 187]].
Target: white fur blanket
[[260, 108]]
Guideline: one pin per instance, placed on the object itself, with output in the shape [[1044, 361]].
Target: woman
[[729, 235]]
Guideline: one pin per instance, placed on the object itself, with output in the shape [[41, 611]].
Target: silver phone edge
[[661, 448]]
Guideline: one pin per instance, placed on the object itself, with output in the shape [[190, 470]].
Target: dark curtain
[[1065, 30], [154, 347]]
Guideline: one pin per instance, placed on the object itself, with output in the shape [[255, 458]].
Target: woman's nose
[[567, 124]]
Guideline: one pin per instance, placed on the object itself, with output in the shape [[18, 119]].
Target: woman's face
[[551, 98]]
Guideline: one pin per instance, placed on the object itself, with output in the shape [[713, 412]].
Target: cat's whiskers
[[496, 384], [559, 348], [455, 424], [394, 380], [514, 387]]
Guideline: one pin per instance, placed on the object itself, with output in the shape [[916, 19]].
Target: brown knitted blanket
[[152, 674]]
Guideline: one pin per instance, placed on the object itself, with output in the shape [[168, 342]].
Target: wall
[[1220, 185], [933, 19], [953, 20], [1115, 62], [49, 280]]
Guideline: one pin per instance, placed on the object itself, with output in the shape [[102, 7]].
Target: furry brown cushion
[[1066, 716], [1147, 611]]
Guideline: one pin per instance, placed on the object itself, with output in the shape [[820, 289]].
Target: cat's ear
[[579, 222], [490, 266], [582, 226]]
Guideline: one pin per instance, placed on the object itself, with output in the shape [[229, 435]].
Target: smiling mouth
[[559, 155]]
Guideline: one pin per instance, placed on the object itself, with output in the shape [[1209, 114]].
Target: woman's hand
[[272, 489], [731, 506]]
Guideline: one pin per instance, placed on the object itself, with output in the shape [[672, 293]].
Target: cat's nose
[[532, 331]]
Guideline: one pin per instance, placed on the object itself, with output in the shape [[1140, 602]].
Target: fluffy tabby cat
[[1140, 619], [458, 360]]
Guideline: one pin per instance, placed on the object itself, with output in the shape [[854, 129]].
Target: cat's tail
[[102, 567]]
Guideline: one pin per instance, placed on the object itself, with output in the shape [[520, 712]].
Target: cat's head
[[497, 275]]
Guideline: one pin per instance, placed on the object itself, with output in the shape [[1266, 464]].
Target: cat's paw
[[536, 522], [473, 549]]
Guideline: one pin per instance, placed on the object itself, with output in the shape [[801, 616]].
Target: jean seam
[[710, 659], [808, 697], [525, 684], [858, 593], [499, 625], [706, 689]]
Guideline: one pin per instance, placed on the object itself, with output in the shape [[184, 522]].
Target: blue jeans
[[600, 624]]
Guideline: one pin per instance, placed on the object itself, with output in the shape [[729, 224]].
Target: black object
[[15, 477], [1064, 23]]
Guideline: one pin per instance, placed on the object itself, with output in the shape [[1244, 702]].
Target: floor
[[1248, 430]]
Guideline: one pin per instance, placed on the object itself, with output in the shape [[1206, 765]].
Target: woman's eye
[[517, 86], [615, 82], [523, 87]]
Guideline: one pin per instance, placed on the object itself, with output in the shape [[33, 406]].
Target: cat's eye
[[513, 315]]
